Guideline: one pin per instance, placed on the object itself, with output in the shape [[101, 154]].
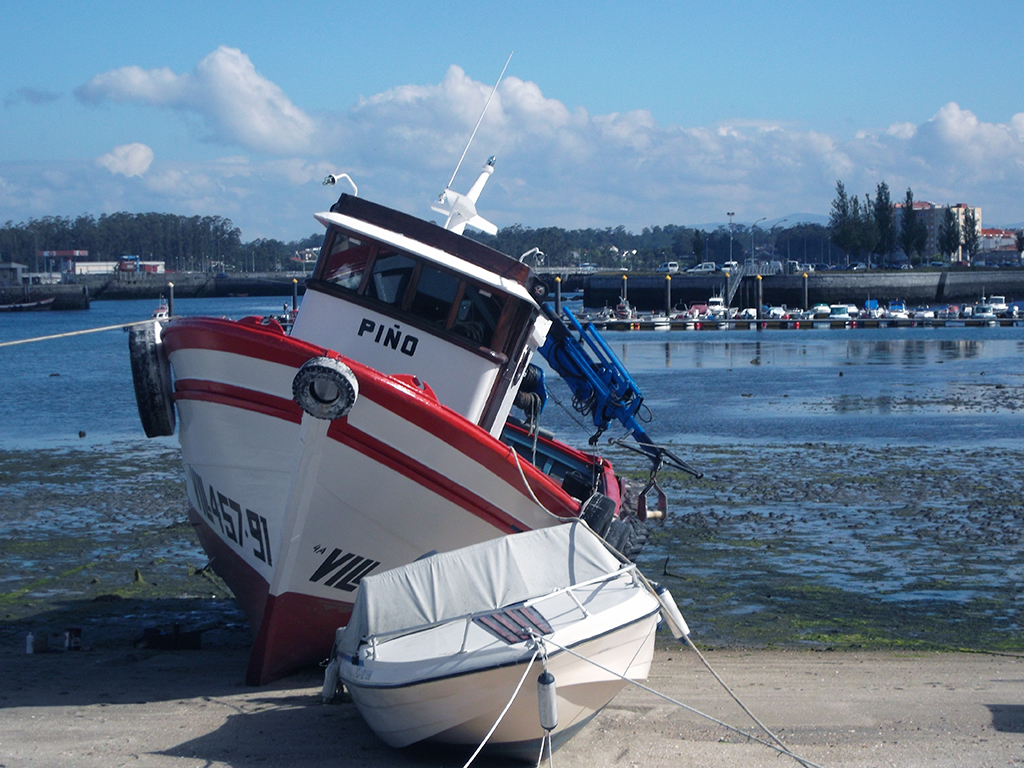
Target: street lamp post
[[763, 218], [772, 230], [730, 214]]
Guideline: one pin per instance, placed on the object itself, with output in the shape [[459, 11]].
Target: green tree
[[913, 233], [844, 220], [971, 234], [700, 245], [867, 230], [885, 222], [949, 233]]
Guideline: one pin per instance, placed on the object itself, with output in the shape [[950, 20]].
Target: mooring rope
[[779, 747], [73, 333], [522, 474], [505, 710]]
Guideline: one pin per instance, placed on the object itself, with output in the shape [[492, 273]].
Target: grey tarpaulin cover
[[476, 579]]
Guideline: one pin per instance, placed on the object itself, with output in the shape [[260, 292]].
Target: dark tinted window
[[390, 279], [478, 315], [435, 295]]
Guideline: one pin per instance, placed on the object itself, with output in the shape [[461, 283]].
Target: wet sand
[[113, 707]]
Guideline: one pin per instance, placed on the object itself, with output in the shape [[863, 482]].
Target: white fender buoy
[[325, 388], [673, 617], [151, 375], [330, 688], [547, 701]]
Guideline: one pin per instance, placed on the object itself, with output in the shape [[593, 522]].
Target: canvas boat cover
[[476, 579]]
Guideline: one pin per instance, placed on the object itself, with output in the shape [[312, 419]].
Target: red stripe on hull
[[428, 478], [394, 394], [237, 397]]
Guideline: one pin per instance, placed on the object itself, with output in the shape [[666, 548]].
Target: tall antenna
[[480, 120]]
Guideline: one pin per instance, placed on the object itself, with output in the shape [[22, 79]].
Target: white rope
[[74, 333], [504, 711], [780, 747], [545, 740], [522, 474]]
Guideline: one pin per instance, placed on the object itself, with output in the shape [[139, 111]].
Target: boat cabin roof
[[434, 243]]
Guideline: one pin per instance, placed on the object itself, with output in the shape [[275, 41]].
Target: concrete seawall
[[87, 288]]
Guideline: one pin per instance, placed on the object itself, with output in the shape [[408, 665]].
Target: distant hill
[[790, 220]]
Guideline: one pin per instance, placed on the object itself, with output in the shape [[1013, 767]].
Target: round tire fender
[[325, 388], [151, 374]]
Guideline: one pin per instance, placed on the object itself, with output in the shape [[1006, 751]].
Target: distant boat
[[28, 306], [162, 312]]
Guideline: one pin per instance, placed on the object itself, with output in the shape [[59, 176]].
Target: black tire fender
[[325, 388], [151, 375]]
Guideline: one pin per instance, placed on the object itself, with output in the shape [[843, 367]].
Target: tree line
[[857, 228], [183, 243], [872, 228]]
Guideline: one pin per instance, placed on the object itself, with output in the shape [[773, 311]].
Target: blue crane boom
[[602, 387]]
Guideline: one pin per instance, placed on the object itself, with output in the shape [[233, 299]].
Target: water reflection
[[924, 385]]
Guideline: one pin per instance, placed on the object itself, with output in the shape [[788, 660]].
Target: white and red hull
[[295, 510]]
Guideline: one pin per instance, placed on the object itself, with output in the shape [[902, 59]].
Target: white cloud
[[557, 165], [128, 159], [238, 105]]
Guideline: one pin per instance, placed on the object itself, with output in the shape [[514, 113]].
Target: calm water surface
[[916, 385]]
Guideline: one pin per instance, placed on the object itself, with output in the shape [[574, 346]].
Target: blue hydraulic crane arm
[[601, 386]]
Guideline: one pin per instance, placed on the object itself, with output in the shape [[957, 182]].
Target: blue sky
[[634, 114]]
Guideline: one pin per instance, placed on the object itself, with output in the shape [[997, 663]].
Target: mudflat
[[144, 707]]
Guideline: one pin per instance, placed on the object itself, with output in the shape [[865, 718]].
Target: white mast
[[461, 209]]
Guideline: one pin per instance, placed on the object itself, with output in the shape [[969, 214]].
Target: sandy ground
[[113, 707]]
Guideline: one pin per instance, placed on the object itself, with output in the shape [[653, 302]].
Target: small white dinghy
[[438, 649]]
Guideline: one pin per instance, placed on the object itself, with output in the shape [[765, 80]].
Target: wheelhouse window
[[478, 315], [435, 295], [390, 277], [346, 261], [418, 289]]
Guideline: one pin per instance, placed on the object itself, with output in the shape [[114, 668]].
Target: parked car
[[669, 267], [731, 266], [857, 266], [705, 267]]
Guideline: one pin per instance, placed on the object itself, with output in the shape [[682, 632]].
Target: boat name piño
[[389, 337]]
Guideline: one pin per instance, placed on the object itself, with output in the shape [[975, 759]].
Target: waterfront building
[[932, 216]]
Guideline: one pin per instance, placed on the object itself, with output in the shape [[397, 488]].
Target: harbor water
[[861, 486]]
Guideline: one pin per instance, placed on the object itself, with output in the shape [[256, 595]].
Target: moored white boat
[[897, 310], [162, 311], [436, 650]]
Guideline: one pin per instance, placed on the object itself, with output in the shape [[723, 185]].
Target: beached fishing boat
[[437, 650], [372, 433]]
